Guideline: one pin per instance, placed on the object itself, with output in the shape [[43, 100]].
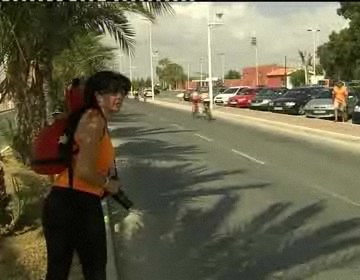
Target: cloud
[[280, 29]]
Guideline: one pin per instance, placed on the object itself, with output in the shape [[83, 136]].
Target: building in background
[[277, 77], [249, 74]]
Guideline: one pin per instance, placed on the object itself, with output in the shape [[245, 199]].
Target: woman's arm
[[88, 136]]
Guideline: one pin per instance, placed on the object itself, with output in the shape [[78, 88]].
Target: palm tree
[[306, 60], [85, 55], [32, 35]]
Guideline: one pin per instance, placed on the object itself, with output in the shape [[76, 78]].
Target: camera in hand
[[121, 197]]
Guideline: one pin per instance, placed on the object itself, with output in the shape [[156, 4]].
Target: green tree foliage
[[32, 35], [232, 74], [85, 55], [340, 56], [297, 78], [170, 73]]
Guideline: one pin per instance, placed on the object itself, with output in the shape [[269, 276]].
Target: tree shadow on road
[[181, 242], [187, 234], [137, 131], [156, 150]]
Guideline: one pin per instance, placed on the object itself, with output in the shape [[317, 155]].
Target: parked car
[[220, 90], [201, 90], [243, 98], [294, 100], [223, 98], [147, 92], [322, 105], [187, 95], [356, 113], [265, 96]]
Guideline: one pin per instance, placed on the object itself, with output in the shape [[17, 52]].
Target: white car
[[148, 92], [223, 98]]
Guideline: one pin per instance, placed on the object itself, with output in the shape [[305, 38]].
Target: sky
[[280, 28]]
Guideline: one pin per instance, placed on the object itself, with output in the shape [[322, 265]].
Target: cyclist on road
[[205, 98], [195, 100]]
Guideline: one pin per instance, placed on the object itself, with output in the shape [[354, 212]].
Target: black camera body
[[121, 197]]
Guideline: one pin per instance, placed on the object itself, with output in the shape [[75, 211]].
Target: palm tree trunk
[[29, 106], [46, 71]]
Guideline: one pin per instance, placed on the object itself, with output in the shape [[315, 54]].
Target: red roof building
[[276, 78]]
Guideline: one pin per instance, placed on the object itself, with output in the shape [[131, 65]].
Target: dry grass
[[23, 255]]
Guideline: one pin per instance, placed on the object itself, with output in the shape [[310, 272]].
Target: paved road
[[226, 201]]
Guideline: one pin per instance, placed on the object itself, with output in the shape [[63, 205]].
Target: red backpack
[[53, 148]]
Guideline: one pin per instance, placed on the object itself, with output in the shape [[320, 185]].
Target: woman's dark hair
[[104, 82], [75, 82]]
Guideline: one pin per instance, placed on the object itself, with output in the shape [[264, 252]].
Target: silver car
[[322, 105]]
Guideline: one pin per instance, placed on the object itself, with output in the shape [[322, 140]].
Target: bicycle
[[207, 110]]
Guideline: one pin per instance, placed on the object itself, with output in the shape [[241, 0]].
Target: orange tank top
[[104, 162], [340, 94]]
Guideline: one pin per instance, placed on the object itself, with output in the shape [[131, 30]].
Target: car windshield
[[324, 94], [266, 92], [203, 90], [246, 91], [295, 93], [230, 91]]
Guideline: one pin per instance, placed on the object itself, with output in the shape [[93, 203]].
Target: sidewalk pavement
[[344, 132]]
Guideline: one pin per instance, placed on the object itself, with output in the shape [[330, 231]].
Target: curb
[[112, 272], [270, 125]]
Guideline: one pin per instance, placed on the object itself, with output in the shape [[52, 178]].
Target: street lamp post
[[201, 61], [120, 62], [151, 63], [188, 76], [314, 31], [130, 74], [222, 66], [254, 43], [211, 24]]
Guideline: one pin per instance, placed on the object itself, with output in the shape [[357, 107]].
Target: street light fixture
[[314, 31], [210, 25]]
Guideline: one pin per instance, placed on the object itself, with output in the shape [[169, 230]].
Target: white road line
[[178, 126], [203, 137], [336, 195], [247, 156]]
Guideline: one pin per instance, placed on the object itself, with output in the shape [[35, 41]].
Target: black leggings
[[74, 221]]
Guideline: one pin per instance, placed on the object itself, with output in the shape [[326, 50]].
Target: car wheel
[[301, 110]]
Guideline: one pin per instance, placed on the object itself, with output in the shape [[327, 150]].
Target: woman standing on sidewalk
[[72, 214]]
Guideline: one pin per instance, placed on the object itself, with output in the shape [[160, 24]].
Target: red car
[[243, 98]]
